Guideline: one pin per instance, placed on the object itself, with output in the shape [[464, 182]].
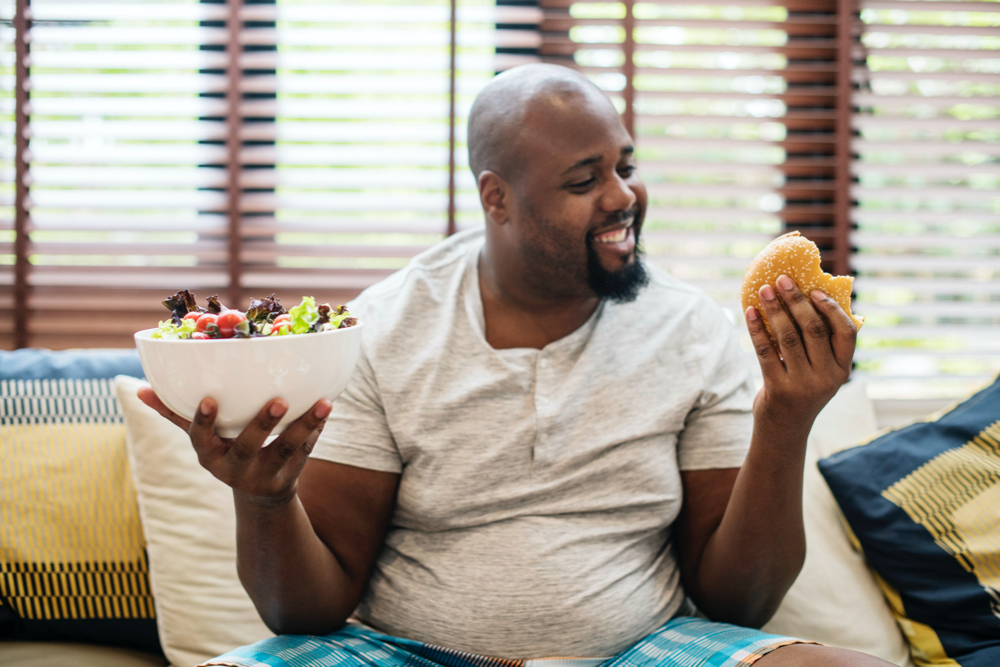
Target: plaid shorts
[[683, 641]]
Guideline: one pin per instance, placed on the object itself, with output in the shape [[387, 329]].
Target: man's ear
[[494, 194]]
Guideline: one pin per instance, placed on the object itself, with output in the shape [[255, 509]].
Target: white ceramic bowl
[[244, 374]]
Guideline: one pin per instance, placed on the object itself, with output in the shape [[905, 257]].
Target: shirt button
[[543, 362]]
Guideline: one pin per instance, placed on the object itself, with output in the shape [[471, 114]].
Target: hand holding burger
[[802, 329]]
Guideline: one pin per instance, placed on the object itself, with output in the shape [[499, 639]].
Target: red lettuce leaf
[[181, 304], [214, 306], [264, 310]]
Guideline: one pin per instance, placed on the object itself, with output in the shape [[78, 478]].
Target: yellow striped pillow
[[72, 554]]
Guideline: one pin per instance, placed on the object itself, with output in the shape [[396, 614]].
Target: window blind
[[927, 196], [238, 147], [365, 166], [733, 106], [243, 146], [123, 210], [13, 173], [871, 126]]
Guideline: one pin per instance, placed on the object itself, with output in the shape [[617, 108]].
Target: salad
[[265, 317]]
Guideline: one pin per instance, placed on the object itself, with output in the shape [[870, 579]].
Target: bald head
[[509, 104]]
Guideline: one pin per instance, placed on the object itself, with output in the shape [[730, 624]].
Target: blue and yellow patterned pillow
[[923, 505], [73, 560]]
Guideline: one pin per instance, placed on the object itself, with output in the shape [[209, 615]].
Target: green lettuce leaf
[[304, 315], [170, 331]]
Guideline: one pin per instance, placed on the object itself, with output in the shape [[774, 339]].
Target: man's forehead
[[541, 114], [559, 103], [572, 131]]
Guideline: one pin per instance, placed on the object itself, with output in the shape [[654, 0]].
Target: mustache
[[622, 217]]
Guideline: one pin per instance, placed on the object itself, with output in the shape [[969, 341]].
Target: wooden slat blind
[[305, 147], [927, 193], [873, 126], [362, 154], [734, 106], [121, 199], [236, 147], [14, 175]]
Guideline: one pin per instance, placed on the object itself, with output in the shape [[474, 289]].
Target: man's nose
[[618, 196]]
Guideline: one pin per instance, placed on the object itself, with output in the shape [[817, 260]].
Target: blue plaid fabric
[[694, 642], [682, 642]]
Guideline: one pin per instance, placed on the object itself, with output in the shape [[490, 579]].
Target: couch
[[184, 600]]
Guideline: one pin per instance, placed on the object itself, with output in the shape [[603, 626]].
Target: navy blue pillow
[[923, 504], [38, 364]]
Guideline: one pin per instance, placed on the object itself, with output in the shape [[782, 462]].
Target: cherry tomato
[[281, 328], [192, 315], [197, 335], [227, 322], [205, 320], [284, 317]]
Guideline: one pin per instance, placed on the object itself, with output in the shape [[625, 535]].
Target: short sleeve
[[717, 430], [357, 432]]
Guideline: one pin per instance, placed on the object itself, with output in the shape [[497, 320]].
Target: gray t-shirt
[[538, 487]]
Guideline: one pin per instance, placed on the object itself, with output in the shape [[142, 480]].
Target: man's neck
[[517, 317]]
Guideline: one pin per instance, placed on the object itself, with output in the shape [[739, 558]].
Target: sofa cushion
[[38, 364], [190, 524], [72, 554], [835, 599], [923, 503], [55, 654]]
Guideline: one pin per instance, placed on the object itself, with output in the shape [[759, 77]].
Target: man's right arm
[[308, 531], [306, 562]]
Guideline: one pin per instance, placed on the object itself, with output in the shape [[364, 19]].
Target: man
[[543, 450]]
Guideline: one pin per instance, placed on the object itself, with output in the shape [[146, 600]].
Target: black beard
[[621, 286]]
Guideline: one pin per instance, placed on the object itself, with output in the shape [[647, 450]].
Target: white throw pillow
[[189, 520], [835, 599]]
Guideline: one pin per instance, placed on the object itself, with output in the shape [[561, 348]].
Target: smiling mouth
[[614, 236]]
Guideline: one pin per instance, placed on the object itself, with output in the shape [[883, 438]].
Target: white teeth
[[613, 237]]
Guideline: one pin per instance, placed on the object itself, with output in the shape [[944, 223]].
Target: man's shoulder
[[429, 279]]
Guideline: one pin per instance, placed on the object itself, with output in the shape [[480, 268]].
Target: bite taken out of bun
[[798, 258]]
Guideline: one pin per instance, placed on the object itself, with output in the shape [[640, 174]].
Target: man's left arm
[[740, 536]]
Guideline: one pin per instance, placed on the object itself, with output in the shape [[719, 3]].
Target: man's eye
[[627, 171], [583, 184]]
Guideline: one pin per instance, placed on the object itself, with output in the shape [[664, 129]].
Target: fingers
[[297, 440], [812, 330], [202, 429], [249, 442], [767, 354], [232, 459], [844, 334], [149, 397], [784, 330]]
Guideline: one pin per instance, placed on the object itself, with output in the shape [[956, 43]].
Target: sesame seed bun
[[798, 258]]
